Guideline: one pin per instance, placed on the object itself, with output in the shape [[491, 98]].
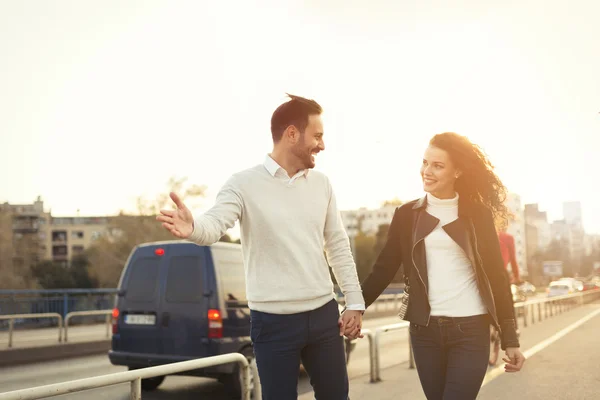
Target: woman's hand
[[514, 359]]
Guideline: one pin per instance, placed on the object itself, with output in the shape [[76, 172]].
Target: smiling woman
[[447, 246]]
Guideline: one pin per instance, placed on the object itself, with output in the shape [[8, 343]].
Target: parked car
[[178, 301], [576, 283], [517, 294], [527, 288], [560, 288], [592, 284]]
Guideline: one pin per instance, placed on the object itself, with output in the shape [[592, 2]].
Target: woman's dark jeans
[[452, 356]]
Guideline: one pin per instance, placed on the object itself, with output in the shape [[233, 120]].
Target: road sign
[[553, 268]]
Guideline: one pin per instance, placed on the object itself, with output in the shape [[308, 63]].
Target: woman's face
[[438, 173]]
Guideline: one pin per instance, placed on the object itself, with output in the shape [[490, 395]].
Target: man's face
[[310, 142]]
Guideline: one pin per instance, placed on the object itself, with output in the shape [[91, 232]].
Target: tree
[[364, 254], [15, 272], [587, 267], [52, 275], [110, 251], [393, 202], [80, 273], [558, 250]]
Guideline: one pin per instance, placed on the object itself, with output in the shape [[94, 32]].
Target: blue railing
[[61, 301]]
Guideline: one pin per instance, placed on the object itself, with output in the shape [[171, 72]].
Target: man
[[290, 229]]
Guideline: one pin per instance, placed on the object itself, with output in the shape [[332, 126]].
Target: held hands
[[514, 359], [179, 222], [350, 324]]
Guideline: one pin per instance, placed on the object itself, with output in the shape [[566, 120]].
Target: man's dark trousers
[[281, 341]]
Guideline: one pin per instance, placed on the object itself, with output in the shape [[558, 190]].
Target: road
[[177, 387]]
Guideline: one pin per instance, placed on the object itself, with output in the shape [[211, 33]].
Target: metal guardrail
[[135, 378], [70, 315], [551, 305], [392, 299], [11, 319], [59, 301], [378, 332]]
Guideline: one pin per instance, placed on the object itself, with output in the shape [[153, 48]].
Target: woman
[[448, 249]]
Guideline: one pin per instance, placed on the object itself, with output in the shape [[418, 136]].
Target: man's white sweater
[[287, 226]]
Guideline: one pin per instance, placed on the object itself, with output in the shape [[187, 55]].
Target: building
[[28, 226], [591, 244], [70, 236], [367, 221], [37, 236], [516, 228], [537, 220], [572, 214], [576, 234]]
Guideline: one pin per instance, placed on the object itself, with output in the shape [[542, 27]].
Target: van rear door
[[185, 301], [139, 330]]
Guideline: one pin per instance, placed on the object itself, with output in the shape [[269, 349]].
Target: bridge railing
[[11, 319], [106, 313], [135, 379], [60, 301]]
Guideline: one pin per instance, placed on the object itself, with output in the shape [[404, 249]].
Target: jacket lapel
[[423, 224], [460, 231]]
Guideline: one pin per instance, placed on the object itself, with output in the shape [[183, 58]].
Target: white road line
[[496, 372]]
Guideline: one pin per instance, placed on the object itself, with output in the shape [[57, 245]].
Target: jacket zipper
[[419, 274]]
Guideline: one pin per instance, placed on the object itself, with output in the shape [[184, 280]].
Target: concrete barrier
[[28, 355]]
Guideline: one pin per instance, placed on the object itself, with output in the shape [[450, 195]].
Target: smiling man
[[290, 230]]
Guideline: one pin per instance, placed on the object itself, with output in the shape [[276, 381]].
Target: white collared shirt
[[277, 170]]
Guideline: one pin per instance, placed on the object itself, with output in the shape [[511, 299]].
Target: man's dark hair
[[293, 112]]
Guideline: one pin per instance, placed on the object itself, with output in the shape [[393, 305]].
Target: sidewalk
[[398, 382], [568, 368]]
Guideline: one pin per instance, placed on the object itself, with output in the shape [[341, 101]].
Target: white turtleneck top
[[453, 288]]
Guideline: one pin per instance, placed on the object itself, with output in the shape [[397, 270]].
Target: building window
[[76, 250], [77, 234], [59, 236], [59, 251]]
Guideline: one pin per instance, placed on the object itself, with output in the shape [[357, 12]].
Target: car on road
[[561, 288], [527, 288], [179, 301]]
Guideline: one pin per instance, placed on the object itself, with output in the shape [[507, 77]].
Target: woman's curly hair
[[478, 181]]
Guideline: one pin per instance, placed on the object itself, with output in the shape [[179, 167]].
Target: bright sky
[[103, 101]]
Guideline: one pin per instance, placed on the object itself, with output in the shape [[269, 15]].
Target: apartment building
[[36, 235]]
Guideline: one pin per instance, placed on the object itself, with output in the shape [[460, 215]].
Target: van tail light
[[115, 319], [215, 324]]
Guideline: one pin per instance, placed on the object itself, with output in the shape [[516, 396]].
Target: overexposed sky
[[103, 101]]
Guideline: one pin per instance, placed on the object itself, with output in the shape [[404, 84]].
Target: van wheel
[[232, 382], [150, 384]]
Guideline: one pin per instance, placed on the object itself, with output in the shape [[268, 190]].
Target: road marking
[[496, 372]]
